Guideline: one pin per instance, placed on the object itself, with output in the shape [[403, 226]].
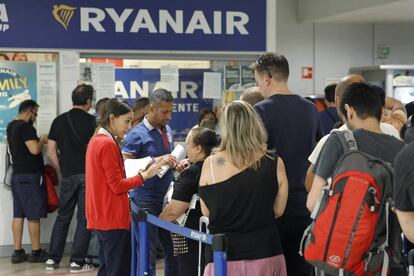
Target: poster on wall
[[18, 82], [134, 83]]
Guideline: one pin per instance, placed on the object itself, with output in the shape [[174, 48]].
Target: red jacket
[[107, 205]]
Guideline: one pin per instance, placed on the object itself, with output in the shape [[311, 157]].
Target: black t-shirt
[[404, 179], [71, 150], [382, 146], [242, 208], [185, 187], [18, 132], [293, 125]]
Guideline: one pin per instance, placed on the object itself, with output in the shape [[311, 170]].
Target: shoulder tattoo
[[220, 161]]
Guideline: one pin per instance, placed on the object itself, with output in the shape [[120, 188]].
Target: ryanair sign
[[198, 25]]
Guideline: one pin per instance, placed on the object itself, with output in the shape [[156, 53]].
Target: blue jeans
[[72, 193], [157, 235]]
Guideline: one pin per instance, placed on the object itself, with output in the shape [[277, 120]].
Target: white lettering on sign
[[134, 88], [185, 107], [92, 19], [4, 19], [119, 20]]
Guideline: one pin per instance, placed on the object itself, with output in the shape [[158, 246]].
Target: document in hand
[[179, 153], [132, 166]]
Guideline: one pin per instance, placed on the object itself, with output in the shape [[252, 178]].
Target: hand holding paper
[[179, 153]]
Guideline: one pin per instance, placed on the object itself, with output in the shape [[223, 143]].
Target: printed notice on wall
[[212, 85], [232, 78], [46, 96], [169, 78], [105, 86]]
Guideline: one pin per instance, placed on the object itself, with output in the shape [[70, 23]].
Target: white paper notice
[[212, 85], [69, 66], [132, 166], [179, 153], [169, 77], [106, 80], [46, 96]]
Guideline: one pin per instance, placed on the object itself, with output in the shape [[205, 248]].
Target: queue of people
[[259, 179]]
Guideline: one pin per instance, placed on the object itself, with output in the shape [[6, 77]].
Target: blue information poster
[[17, 83]]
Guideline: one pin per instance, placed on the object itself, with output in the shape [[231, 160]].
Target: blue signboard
[[188, 25], [131, 84], [17, 83]]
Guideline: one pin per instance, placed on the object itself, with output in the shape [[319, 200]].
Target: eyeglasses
[[261, 62], [34, 113]]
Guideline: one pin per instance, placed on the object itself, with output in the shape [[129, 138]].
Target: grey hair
[[160, 95]]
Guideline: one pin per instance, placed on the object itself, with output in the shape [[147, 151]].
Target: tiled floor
[[26, 268]]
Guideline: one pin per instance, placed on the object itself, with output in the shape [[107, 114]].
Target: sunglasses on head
[[260, 62]]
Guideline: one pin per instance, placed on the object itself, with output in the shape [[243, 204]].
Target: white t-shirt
[[386, 128]]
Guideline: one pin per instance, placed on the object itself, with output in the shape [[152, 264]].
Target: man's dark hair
[[203, 113], [81, 94], [330, 93], [159, 96], [27, 105], [141, 103], [381, 93], [273, 64], [364, 99]]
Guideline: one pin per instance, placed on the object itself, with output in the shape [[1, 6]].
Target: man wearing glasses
[[292, 124], [28, 189]]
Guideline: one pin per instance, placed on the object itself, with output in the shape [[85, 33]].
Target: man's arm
[[323, 169], [310, 176], [52, 154], [315, 192], [35, 146], [406, 220]]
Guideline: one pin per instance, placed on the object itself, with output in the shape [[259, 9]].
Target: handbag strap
[[84, 146]]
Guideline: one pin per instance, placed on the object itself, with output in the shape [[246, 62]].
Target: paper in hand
[[133, 166], [179, 153]]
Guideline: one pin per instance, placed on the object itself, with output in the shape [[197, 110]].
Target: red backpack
[[353, 231]]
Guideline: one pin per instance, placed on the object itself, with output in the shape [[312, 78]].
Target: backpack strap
[[347, 139], [75, 133]]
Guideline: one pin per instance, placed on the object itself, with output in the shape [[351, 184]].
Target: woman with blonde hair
[[243, 188]]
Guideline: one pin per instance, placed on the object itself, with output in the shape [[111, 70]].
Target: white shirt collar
[[148, 124], [104, 132]]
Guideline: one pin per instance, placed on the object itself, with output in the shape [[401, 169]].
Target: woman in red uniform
[[107, 205]]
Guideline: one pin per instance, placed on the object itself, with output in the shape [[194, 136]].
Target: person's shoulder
[[264, 104], [195, 168], [406, 155], [389, 129], [102, 141]]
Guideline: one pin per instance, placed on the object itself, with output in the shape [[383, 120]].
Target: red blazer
[[107, 205]]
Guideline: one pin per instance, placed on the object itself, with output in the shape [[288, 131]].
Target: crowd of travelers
[[296, 191]]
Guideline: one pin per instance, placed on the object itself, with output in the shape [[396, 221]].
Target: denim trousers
[[156, 236], [72, 194]]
